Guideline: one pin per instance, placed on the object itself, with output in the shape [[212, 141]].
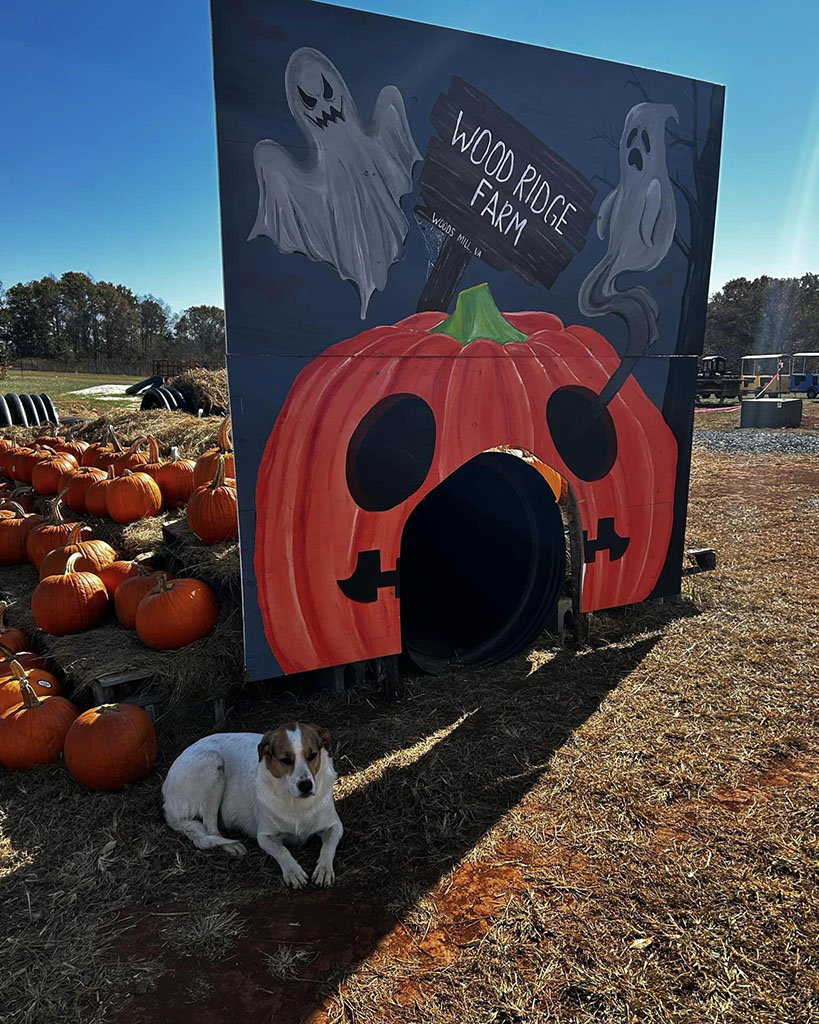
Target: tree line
[[768, 314], [74, 319]]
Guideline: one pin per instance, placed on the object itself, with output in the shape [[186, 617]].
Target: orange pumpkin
[[73, 446], [133, 496], [176, 613], [77, 483], [34, 731], [131, 591], [12, 638], [134, 458], [69, 602], [26, 658], [213, 509], [94, 554], [14, 534], [102, 453], [47, 473], [51, 534], [206, 463], [96, 497], [50, 440], [175, 479], [154, 462], [43, 683], [110, 746], [116, 573], [19, 463]]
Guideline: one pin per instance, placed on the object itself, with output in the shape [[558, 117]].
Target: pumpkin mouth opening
[[483, 559]]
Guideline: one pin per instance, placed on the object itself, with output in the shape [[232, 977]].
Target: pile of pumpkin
[[104, 479], [78, 574], [104, 747]]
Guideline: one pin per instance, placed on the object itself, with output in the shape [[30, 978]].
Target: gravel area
[[758, 441]]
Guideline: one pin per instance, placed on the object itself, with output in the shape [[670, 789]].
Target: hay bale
[[204, 389], [200, 671]]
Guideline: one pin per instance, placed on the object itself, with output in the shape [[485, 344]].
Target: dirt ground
[[624, 832]]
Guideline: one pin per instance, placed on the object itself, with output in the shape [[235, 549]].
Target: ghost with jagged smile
[[340, 205]]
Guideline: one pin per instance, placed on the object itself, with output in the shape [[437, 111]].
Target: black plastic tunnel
[[483, 559]]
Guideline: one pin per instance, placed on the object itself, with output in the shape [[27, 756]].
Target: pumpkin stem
[[224, 437], [174, 456], [219, 473], [55, 512], [75, 536], [4, 607], [477, 316], [17, 670], [162, 583], [30, 698], [107, 709], [19, 511], [153, 448], [71, 561], [113, 440], [140, 441]]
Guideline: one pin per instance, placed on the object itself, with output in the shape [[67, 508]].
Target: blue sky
[[108, 140]]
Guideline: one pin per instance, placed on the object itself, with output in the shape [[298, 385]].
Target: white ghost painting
[[638, 217], [341, 204]]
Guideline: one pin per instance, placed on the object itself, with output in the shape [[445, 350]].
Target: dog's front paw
[[294, 875], [234, 849], [324, 874]]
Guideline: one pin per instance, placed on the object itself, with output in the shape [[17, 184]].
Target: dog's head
[[293, 753]]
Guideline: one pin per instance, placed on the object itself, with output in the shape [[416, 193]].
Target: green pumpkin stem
[[477, 316]]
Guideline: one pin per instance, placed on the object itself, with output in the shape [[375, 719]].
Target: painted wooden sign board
[[437, 245]]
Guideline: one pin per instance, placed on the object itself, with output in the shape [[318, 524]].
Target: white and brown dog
[[277, 787]]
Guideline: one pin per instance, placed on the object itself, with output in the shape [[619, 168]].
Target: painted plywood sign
[[439, 248]]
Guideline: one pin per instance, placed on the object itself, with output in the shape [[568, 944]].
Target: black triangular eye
[[328, 89], [308, 100], [646, 141]]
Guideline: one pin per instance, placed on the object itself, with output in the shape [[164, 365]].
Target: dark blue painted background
[[283, 309]]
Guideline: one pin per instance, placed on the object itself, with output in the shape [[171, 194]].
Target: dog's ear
[[324, 736], [265, 748]]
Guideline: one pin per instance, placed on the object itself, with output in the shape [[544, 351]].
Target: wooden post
[[445, 277], [580, 620]]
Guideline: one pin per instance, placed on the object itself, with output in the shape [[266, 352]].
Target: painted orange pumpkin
[[34, 731], [110, 746], [176, 613], [213, 509], [132, 496], [69, 602], [43, 683], [175, 479], [485, 379], [206, 463], [94, 554]]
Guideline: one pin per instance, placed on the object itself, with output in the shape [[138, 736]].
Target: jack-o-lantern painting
[[531, 322]]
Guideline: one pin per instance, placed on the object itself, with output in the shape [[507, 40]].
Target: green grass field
[[61, 387]]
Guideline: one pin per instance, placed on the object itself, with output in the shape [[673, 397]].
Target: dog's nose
[[306, 787]]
